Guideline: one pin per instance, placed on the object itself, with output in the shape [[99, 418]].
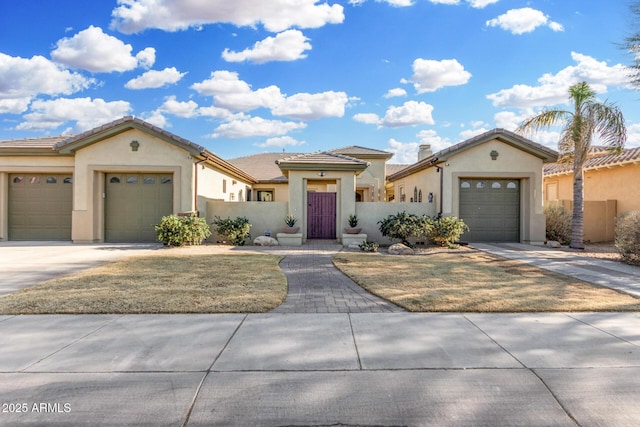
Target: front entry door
[[321, 215]]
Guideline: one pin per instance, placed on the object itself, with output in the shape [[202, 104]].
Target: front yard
[[473, 281], [169, 281]]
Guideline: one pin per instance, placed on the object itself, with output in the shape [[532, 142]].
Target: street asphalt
[[317, 369]]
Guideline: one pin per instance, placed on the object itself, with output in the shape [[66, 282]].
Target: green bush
[[368, 246], [401, 226], [628, 237], [444, 231], [558, 224], [235, 230], [176, 230]]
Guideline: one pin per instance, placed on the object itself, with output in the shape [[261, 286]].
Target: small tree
[[401, 226], [235, 230], [558, 224], [445, 230]]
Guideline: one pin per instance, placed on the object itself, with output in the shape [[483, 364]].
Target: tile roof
[[356, 150], [263, 166], [323, 157], [45, 142], [393, 168], [600, 159]]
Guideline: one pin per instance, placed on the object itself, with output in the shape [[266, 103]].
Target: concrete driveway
[[24, 264]]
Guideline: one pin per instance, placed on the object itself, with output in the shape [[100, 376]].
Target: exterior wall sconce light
[[494, 155], [134, 145], [321, 173], [430, 197]]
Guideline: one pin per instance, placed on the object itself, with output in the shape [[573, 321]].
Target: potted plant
[[353, 225], [290, 221]]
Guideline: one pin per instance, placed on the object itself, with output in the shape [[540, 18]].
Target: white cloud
[[432, 138], [404, 152], [281, 141], [154, 79], [157, 119], [132, 16], [633, 136], [470, 133], [509, 120], [368, 118], [310, 106], [396, 92], [480, 4], [255, 126], [95, 51], [177, 108], [553, 88], [409, 114], [231, 93], [525, 20], [430, 75], [286, 46], [86, 112], [22, 79]]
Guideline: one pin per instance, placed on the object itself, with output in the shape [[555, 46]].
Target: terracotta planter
[[352, 230], [291, 230]]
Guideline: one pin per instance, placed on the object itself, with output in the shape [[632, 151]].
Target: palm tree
[[589, 117]]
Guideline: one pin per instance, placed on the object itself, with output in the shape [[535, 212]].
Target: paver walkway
[[317, 286]]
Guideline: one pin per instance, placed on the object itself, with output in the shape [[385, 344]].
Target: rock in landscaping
[[400, 249], [265, 241], [354, 245], [553, 244]]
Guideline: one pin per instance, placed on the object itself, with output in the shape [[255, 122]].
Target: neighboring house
[[611, 189], [112, 183], [492, 181]]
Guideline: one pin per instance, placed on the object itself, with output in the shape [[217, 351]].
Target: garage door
[[491, 209], [40, 206], [134, 204]]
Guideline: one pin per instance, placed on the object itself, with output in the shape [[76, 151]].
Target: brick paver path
[[317, 286]]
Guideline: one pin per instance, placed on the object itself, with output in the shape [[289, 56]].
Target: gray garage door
[[491, 209], [40, 206], [134, 204]]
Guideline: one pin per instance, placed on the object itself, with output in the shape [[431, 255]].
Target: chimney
[[425, 151]]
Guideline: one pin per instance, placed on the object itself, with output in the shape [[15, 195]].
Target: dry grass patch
[[470, 281], [161, 283]]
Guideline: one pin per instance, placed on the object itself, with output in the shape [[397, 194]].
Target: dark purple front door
[[321, 215]]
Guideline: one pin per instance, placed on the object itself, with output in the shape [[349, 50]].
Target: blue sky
[[247, 76]]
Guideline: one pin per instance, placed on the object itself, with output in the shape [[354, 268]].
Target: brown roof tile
[[628, 156], [45, 142], [262, 166]]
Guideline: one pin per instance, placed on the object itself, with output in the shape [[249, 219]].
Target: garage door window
[[51, 180], [512, 185], [132, 180], [496, 185], [149, 180], [17, 180], [34, 180]]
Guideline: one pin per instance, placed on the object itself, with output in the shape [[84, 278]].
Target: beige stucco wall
[[115, 155], [511, 162], [373, 180], [261, 215], [17, 164], [280, 191], [618, 183], [427, 180]]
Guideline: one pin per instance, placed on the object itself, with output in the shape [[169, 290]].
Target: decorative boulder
[[265, 241], [400, 249], [553, 244]]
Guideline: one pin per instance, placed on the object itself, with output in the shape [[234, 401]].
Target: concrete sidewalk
[[612, 274], [387, 369]]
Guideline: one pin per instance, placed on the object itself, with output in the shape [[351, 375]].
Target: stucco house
[[611, 189], [492, 181], [114, 182], [111, 183]]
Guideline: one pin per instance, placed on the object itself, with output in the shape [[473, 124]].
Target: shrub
[[445, 231], [558, 224], [628, 237], [368, 246], [235, 230], [401, 226], [176, 230]]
